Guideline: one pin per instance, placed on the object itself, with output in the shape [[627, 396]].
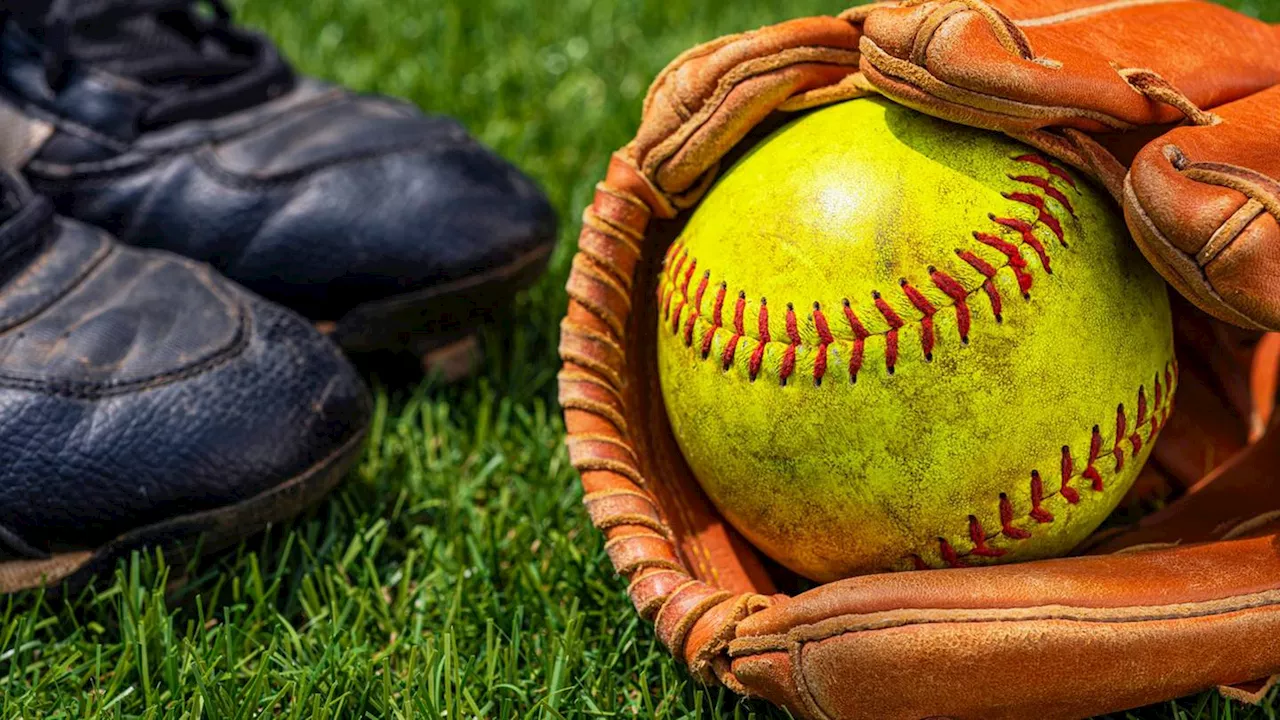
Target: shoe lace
[[222, 67]]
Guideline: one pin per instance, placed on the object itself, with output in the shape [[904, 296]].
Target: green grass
[[455, 574]]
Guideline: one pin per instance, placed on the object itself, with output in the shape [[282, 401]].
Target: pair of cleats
[[173, 384]]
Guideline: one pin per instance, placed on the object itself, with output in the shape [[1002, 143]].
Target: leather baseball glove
[[1174, 107]]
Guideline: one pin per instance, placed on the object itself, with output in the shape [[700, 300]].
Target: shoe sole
[[445, 315], [219, 528]]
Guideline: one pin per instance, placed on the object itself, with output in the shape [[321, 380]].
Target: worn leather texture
[[137, 386], [1185, 601], [318, 198]]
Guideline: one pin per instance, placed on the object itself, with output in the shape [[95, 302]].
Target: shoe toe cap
[[81, 464], [395, 222]]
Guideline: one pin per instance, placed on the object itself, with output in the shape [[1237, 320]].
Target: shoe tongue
[[139, 45], [151, 47], [13, 196]]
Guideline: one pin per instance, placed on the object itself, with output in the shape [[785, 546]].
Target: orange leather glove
[[1189, 598]]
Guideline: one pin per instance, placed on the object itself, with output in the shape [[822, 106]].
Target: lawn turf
[[455, 574]]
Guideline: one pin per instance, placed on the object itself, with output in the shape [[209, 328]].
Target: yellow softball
[[891, 342]]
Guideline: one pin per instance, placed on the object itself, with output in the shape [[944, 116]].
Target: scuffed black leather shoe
[[173, 128], [146, 400]]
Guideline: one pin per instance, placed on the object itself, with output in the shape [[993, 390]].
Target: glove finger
[[1019, 65], [707, 99], [1148, 626], [1203, 203]]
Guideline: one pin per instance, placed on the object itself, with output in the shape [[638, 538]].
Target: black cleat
[[146, 400], [172, 128]]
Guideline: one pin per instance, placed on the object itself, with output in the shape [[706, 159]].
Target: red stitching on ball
[[1095, 451], [989, 287], [860, 336], [1095, 479], [1095, 445], [979, 538], [954, 290], [1006, 521], [855, 325], [697, 309], [688, 275], [1038, 513], [1047, 188], [681, 267], [997, 304], [1135, 439], [891, 338], [788, 365], [949, 554], [926, 308], [1117, 452], [680, 259], [729, 351], [793, 329], [732, 348], [702, 290], [1146, 415], [665, 294], [1068, 472], [716, 320], [757, 356], [789, 356], [1016, 263], [825, 339], [820, 365], [1025, 229], [1158, 391], [977, 263], [1047, 164], [1046, 217], [820, 324], [670, 254]]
